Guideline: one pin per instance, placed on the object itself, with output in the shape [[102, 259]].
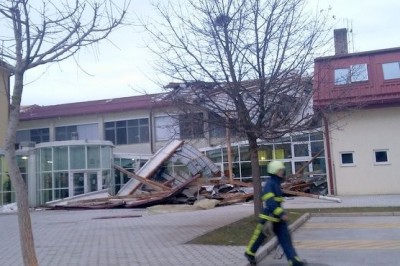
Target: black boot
[[250, 258], [296, 261]]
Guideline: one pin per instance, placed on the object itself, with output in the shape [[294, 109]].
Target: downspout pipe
[[329, 157]]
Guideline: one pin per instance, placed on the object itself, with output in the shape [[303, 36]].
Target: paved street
[[346, 241], [85, 238], [135, 237]]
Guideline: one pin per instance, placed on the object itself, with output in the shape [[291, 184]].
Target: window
[[354, 73], [191, 126], [127, 131], [166, 128], [347, 158], [381, 157], [35, 135], [391, 70], [88, 131], [216, 125]]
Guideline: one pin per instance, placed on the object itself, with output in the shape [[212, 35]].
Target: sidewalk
[[86, 238], [347, 201]]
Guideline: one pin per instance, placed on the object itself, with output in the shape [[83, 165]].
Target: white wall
[[362, 132]]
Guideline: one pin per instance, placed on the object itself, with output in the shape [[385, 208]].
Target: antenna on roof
[[350, 33]]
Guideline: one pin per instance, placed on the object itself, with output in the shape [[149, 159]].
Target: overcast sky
[[122, 67]]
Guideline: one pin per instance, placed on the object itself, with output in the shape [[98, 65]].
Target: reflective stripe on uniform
[[267, 196], [278, 211], [253, 239], [268, 218], [279, 199]]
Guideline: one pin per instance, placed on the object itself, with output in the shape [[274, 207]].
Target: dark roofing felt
[[91, 107]]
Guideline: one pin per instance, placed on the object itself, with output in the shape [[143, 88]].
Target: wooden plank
[[157, 186]]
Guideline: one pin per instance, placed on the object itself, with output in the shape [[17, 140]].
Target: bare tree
[[36, 33], [247, 61]]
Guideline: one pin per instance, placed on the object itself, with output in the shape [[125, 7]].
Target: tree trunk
[[19, 185], [255, 173]]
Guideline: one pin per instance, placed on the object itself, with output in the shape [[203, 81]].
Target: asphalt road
[[342, 241]]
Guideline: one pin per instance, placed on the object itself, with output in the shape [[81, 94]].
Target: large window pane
[[316, 136], [47, 181], [144, 134], [359, 72], [65, 132], [166, 128], [316, 147], [40, 135], [6, 182], [46, 160], [77, 157], [93, 157], [216, 125], [391, 70], [234, 154], [319, 165], [88, 131], [133, 135], [23, 135], [300, 150], [121, 136], [235, 170], [61, 185], [244, 153], [265, 152], [191, 125], [342, 76], [105, 157], [215, 155], [60, 158], [283, 151], [246, 169]]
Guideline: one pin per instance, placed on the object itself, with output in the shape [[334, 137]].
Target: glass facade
[[7, 194], [72, 169], [294, 151], [130, 164]]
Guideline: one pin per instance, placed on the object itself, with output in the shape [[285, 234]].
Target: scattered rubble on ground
[[198, 184], [153, 184]]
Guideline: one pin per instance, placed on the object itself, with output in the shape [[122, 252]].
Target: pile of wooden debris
[[152, 184]]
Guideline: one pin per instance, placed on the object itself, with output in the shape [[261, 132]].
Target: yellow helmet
[[275, 166]]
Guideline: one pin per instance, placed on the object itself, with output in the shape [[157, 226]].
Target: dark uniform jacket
[[273, 197]]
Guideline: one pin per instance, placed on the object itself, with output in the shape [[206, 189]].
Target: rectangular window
[[347, 158], [216, 125], [191, 126], [127, 131], [391, 70], [354, 73], [38, 135], [359, 72], [76, 132], [381, 157], [342, 76], [166, 128]]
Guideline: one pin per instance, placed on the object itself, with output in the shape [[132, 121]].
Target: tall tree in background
[[247, 61], [35, 33]]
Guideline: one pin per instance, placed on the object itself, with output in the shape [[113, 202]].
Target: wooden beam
[[157, 186]]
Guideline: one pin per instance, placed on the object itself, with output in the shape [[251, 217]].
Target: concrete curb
[[350, 214], [273, 243]]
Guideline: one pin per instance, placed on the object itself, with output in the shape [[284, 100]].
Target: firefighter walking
[[273, 218]]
